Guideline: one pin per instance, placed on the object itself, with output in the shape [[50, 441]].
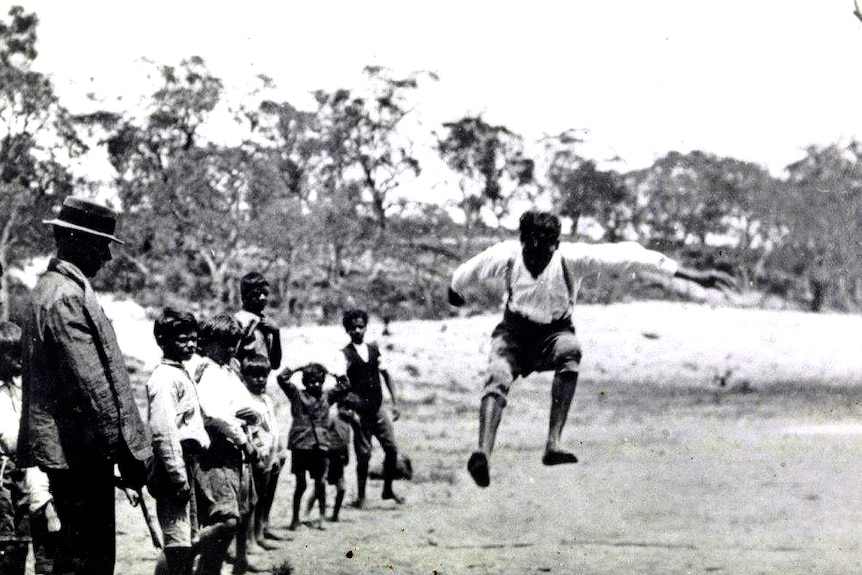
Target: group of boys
[[216, 440], [212, 452]]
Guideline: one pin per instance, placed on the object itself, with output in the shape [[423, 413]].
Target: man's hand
[[710, 279], [133, 473], [455, 298]]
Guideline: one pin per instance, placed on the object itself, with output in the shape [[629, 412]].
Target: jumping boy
[[364, 368], [308, 439], [255, 370], [179, 438], [541, 278], [225, 489]]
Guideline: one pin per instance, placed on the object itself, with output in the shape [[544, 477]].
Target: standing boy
[[255, 371], [260, 335], [541, 278], [309, 432], [78, 416], [225, 490], [364, 370], [179, 438]]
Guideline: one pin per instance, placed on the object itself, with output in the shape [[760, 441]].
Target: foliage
[[491, 166], [38, 140]]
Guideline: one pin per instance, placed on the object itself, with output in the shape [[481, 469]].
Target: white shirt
[[547, 298]]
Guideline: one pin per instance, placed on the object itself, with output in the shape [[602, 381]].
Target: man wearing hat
[[78, 416]]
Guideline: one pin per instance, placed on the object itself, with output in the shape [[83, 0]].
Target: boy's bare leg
[[309, 505], [297, 501], [490, 415], [212, 546], [361, 480], [390, 467], [320, 492], [562, 392], [339, 499]]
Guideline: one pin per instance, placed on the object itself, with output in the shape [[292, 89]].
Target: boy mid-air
[[540, 278]]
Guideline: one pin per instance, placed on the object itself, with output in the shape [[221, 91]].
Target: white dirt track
[[678, 473]]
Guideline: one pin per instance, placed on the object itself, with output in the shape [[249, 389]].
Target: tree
[[579, 188], [183, 197], [491, 166], [362, 137], [821, 212], [684, 198], [38, 139]]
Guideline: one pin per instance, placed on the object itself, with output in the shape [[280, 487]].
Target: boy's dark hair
[[352, 314], [219, 328], [536, 224], [255, 364], [174, 322], [10, 338], [313, 372], [251, 281]]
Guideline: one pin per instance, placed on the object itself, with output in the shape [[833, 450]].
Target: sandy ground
[[712, 440]]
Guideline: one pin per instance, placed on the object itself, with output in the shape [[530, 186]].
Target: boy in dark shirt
[[364, 370], [309, 431]]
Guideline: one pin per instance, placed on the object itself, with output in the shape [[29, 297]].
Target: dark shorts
[[336, 462], [520, 346], [311, 461], [221, 486]]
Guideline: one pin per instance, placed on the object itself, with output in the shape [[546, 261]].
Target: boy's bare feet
[[357, 504], [558, 457], [391, 496], [477, 465], [274, 536]]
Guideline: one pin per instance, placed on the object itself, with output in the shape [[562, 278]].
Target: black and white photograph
[[430, 288]]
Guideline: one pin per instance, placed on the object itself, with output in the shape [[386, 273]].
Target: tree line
[[313, 197]]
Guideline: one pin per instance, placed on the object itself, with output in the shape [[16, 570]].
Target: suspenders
[[567, 278]]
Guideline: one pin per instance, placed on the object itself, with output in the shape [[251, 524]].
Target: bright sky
[[755, 79]]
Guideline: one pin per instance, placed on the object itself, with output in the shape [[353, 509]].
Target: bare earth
[[712, 440]]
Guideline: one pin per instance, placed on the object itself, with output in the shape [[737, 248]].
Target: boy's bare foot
[[391, 495], [357, 504], [267, 545], [245, 566], [319, 525], [477, 465], [294, 525], [274, 536], [558, 457], [334, 519]]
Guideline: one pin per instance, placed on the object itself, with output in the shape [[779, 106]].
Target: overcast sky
[[755, 79]]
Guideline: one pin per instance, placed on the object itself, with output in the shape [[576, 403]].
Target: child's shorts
[[336, 463], [311, 461]]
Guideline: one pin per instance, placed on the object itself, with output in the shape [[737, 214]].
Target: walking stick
[[136, 498]]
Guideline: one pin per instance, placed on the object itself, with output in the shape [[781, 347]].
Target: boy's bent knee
[[497, 395]]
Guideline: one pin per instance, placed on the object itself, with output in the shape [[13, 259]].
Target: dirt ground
[[712, 440]]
